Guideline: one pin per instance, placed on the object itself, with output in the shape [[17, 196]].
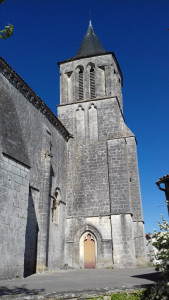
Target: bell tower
[[93, 73], [103, 199]]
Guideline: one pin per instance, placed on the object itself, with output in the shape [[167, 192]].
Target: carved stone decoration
[[55, 206]]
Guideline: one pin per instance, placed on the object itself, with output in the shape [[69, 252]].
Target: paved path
[[77, 281]]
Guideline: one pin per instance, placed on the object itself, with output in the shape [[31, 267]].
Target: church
[[69, 185]]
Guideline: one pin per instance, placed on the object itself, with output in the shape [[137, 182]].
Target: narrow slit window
[[81, 84], [92, 83]]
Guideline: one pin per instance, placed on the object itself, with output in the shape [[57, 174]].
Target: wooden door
[[89, 253]]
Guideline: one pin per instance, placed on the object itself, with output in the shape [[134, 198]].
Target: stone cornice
[[31, 96]]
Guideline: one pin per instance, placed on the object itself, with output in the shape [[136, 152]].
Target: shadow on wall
[[18, 291], [31, 238]]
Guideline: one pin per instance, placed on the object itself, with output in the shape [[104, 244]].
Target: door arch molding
[[82, 230]]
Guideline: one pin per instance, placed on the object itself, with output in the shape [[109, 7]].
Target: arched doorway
[[89, 252]]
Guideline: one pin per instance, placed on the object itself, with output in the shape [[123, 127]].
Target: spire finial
[[90, 16]]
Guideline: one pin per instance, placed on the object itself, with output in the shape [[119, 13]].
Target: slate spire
[[90, 44]]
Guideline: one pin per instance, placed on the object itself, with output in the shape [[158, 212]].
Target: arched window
[[92, 83], [80, 83]]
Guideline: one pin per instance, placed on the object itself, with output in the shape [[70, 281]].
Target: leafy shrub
[[136, 296], [160, 291], [125, 296], [119, 296], [162, 244]]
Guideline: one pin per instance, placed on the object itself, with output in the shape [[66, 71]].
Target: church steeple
[[92, 74], [90, 44]]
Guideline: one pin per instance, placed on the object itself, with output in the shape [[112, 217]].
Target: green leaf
[[7, 31]]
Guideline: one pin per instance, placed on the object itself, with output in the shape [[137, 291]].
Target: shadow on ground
[[18, 291], [155, 276]]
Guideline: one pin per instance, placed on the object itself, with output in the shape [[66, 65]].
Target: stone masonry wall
[[134, 179], [40, 141], [100, 227], [118, 176], [108, 79], [88, 186], [136, 206], [123, 240], [102, 161], [88, 190], [14, 190]]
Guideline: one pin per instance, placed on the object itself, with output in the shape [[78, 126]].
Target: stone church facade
[[69, 186]]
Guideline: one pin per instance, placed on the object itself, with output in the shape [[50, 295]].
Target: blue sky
[[47, 32]]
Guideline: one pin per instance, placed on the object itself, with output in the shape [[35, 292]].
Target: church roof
[[90, 44], [12, 140]]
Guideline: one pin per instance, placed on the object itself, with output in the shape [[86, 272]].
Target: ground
[[76, 284]]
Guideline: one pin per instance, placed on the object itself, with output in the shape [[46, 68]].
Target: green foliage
[[136, 296], [119, 296], [8, 30], [159, 291], [162, 244], [139, 295], [128, 296]]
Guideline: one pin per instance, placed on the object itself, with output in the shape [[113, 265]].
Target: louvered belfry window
[[92, 83], [81, 84]]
